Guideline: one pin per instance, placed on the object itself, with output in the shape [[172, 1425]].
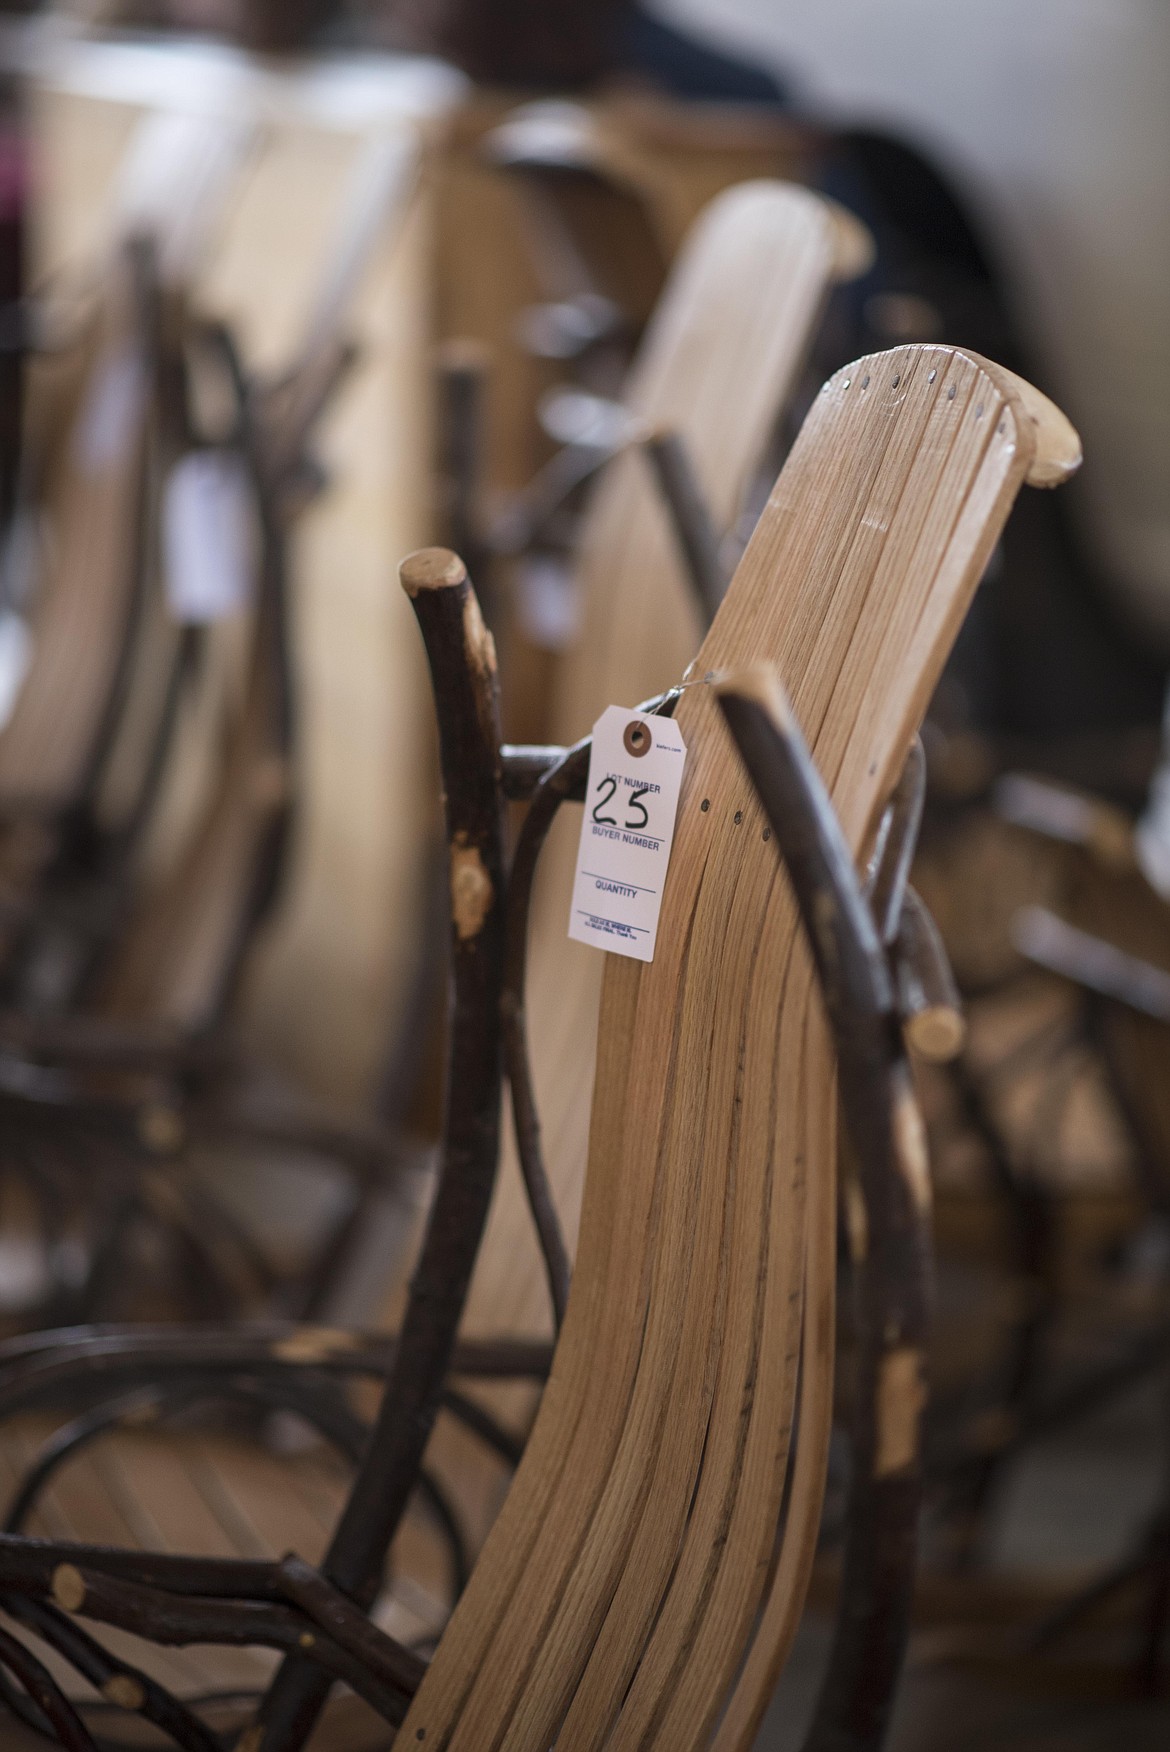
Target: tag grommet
[[637, 738]]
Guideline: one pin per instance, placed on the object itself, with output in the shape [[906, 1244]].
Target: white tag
[[207, 536], [635, 772]]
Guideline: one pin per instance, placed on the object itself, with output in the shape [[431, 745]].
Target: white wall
[[1054, 115]]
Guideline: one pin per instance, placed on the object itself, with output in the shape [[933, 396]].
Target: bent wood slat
[[718, 362], [626, 1581]]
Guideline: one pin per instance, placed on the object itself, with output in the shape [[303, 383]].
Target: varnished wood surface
[[618, 1593]]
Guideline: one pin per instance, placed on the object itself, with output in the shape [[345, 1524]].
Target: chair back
[[643, 1581]]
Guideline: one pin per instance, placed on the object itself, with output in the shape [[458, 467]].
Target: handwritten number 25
[[605, 797]]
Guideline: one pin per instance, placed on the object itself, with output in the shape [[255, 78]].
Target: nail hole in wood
[[951, 393], [896, 381], [738, 817], [865, 381], [705, 805]]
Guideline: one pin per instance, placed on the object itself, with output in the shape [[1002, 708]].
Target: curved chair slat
[[633, 1572]]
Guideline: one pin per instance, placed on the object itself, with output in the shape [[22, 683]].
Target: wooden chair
[[645, 1577], [716, 368], [139, 1070], [143, 1069], [714, 373], [102, 423]]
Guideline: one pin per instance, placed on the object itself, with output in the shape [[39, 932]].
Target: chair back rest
[[642, 1583]]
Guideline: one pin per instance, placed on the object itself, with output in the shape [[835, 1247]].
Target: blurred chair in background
[[119, 1070]]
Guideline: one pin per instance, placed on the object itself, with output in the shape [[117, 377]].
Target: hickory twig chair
[[644, 1579], [95, 406], [141, 1067], [717, 366]]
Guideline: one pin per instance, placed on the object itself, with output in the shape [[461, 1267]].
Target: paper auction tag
[[208, 537], [635, 772]]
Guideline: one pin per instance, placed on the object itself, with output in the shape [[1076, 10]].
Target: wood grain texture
[[634, 1571], [717, 364]]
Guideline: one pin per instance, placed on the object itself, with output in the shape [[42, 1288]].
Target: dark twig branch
[[877, 1586], [463, 669], [925, 990], [896, 845], [48, 1368], [1048, 941], [44, 1692], [557, 783], [525, 764]]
